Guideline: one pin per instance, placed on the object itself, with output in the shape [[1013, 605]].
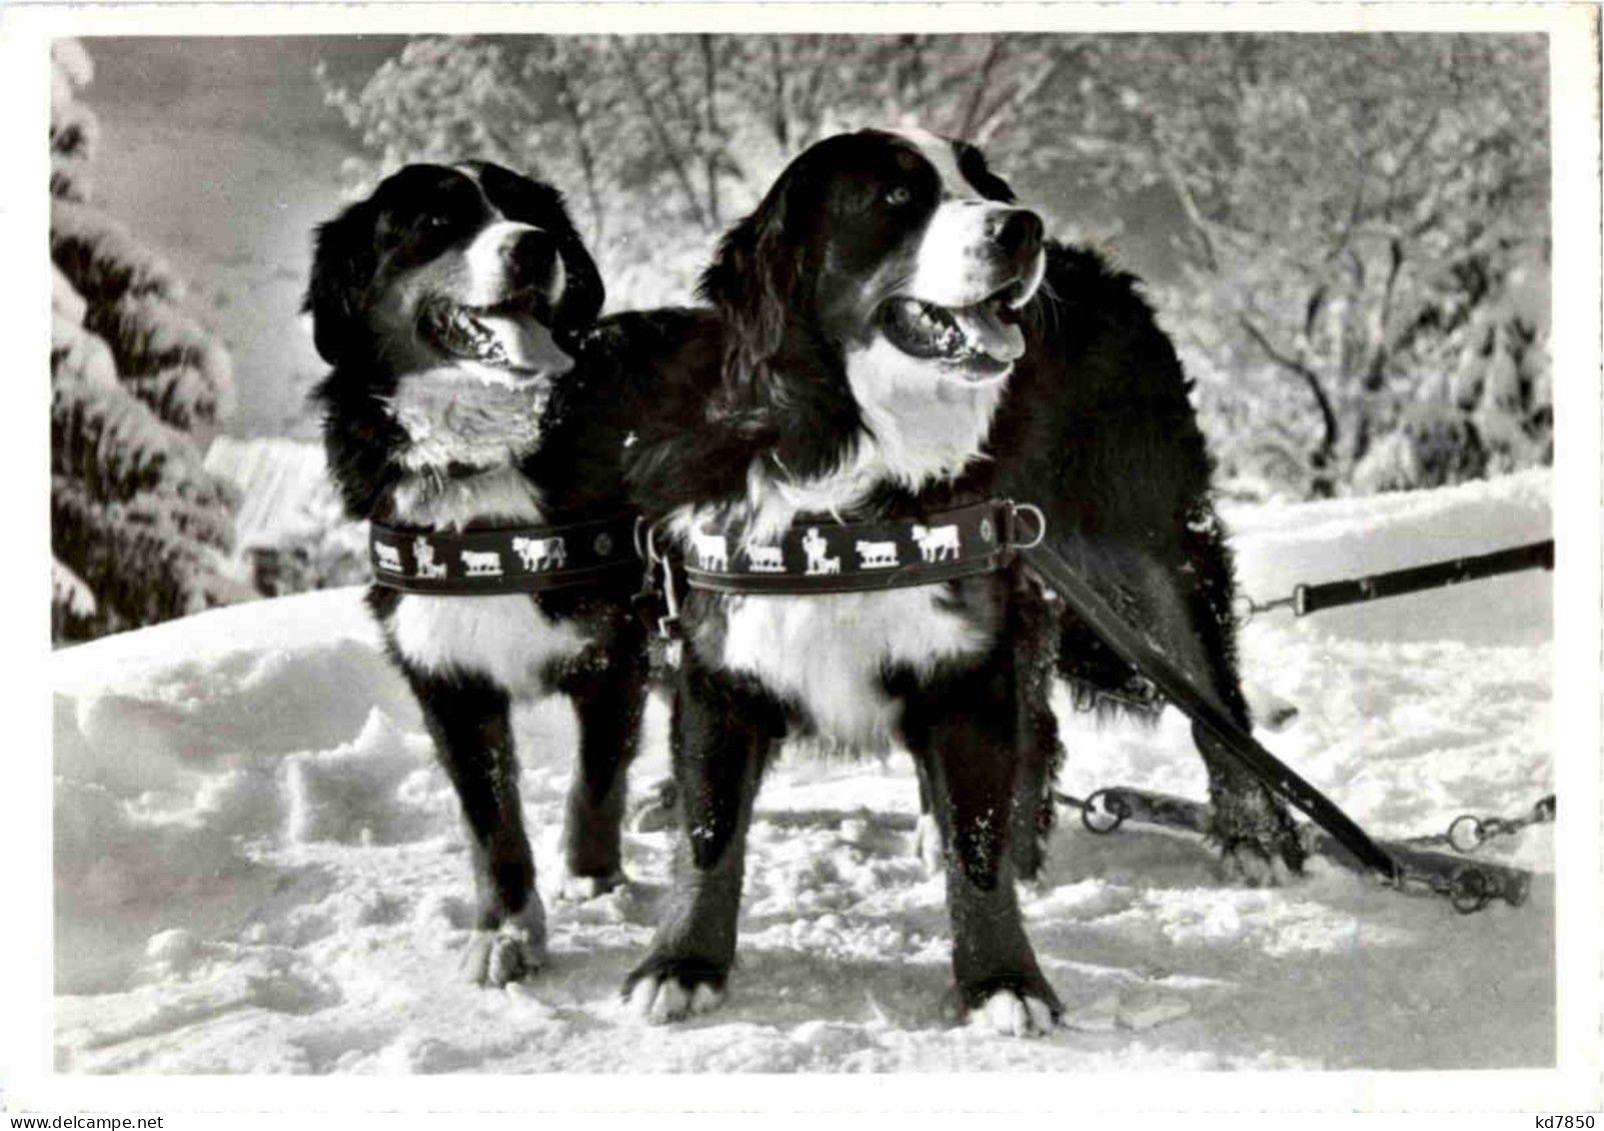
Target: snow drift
[[259, 868]]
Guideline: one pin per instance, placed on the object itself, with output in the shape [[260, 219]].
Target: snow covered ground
[[259, 868]]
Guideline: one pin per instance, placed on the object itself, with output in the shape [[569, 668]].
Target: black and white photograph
[[608, 540]]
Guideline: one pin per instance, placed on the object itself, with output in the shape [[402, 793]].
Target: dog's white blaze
[[940, 153], [925, 430], [948, 270], [828, 653], [486, 259], [505, 637]]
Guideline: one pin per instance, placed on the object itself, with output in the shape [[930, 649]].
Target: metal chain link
[[1469, 832], [1468, 889], [1245, 608]]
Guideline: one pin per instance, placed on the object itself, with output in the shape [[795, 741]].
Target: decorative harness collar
[[828, 557], [514, 559]]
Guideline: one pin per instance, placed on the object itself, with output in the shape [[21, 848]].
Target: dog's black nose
[[533, 263], [1017, 231]]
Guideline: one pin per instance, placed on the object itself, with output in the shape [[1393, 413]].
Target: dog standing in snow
[[891, 336], [451, 304]]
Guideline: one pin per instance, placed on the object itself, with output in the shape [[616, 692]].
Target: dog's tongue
[[982, 324], [526, 344]]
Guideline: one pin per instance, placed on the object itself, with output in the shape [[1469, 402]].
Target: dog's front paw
[[1258, 840], [509, 953], [1015, 1013], [1251, 864], [583, 889], [664, 990], [1014, 1006]]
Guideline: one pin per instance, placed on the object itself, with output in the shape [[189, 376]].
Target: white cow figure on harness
[[541, 553], [876, 555], [765, 559], [712, 551], [814, 545], [423, 551], [482, 563], [936, 543], [389, 556]]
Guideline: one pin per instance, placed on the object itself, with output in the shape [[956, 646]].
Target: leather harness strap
[[517, 559], [829, 557], [980, 538]]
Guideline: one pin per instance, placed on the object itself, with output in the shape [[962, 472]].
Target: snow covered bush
[[140, 529], [1433, 445]]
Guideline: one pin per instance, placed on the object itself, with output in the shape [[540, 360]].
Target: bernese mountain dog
[[451, 304], [890, 335]]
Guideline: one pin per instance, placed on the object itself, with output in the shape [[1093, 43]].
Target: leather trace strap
[[1180, 688], [833, 557], [515, 559]]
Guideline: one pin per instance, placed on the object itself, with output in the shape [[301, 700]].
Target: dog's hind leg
[[1041, 756], [1190, 621], [1257, 837], [965, 732], [469, 719], [1255, 833], [608, 705], [721, 744]]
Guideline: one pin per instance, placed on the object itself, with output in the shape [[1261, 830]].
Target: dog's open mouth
[[508, 336], [983, 339]]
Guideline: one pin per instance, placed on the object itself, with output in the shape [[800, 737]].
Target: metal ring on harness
[[1041, 524], [1111, 806], [646, 542], [1473, 835], [1469, 890]]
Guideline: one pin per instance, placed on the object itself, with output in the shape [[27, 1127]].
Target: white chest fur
[[506, 638], [499, 493], [828, 653]]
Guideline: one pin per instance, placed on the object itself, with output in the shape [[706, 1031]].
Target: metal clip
[[668, 624], [658, 565]]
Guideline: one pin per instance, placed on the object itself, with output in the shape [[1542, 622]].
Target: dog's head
[[469, 269], [899, 246]]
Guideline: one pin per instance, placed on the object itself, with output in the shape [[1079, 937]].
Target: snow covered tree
[[139, 529], [1359, 213]]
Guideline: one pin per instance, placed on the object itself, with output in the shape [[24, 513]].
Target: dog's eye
[[435, 222], [898, 194]]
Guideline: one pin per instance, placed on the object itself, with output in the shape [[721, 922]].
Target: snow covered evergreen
[[140, 529]]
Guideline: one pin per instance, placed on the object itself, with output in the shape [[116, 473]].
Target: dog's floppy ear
[[755, 281], [344, 259], [534, 202]]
